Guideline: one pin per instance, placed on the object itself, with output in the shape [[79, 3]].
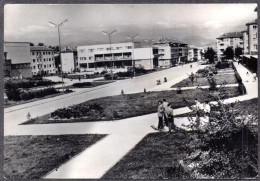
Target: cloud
[[35, 28], [212, 24], [164, 24]]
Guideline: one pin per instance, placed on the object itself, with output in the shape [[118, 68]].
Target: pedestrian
[[170, 117], [160, 111], [254, 76], [190, 66], [79, 78], [165, 79], [165, 106], [247, 73]]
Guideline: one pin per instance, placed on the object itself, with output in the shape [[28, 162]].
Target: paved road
[[17, 114]]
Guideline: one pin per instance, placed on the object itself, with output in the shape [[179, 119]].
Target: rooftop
[[231, 35], [252, 22], [170, 41], [40, 48]]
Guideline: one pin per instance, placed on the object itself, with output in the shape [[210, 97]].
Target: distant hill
[[199, 41]]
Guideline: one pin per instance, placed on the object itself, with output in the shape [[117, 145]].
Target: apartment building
[[252, 29], [42, 60], [18, 54], [245, 42], [117, 55], [69, 60], [171, 52], [233, 40]]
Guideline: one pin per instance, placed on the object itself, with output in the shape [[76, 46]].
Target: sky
[[29, 23]]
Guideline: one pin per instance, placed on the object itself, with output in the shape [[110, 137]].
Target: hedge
[[242, 88], [109, 76], [83, 84], [29, 84], [38, 93], [239, 79], [222, 65]]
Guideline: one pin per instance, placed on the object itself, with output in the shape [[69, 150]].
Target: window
[[129, 47], [255, 36], [33, 60], [43, 53], [255, 46], [90, 58], [82, 51], [118, 48], [49, 53], [90, 50], [50, 65], [44, 59], [44, 66], [34, 67], [254, 26], [100, 49], [108, 48], [32, 53]]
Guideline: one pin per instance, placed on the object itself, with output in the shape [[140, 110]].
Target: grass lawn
[[11, 103], [171, 156], [32, 157], [130, 105], [203, 81]]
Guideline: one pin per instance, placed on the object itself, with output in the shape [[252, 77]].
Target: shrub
[[179, 91], [83, 84], [109, 76], [12, 92], [140, 70], [124, 74], [242, 88], [222, 65], [239, 79], [204, 72], [103, 72], [38, 93], [212, 84]]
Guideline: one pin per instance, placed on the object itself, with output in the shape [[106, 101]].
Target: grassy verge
[[220, 78], [31, 157], [195, 155], [11, 103], [125, 106]]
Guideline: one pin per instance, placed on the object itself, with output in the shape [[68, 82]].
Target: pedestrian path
[[122, 136]]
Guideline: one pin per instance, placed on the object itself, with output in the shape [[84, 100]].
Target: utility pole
[[133, 61]]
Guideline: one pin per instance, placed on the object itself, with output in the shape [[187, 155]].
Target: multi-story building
[[42, 60], [252, 37], [7, 66], [117, 55], [191, 54], [69, 60], [171, 52], [19, 55], [245, 42], [233, 40]]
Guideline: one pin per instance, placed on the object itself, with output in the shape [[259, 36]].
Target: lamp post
[[58, 26], [133, 61], [109, 37], [149, 42]]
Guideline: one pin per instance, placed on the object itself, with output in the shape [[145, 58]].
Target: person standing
[[198, 109], [160, 111], [170, 118], [165, 106]]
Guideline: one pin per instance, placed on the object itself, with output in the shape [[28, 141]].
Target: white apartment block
[[67, 62], [252, 29], [42, 60], [245, 42], [118, 55], [233, 40]]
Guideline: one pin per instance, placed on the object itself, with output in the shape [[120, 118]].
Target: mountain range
[[199, 41]]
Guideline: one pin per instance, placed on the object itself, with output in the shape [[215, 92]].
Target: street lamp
[[133, 61], [149, 42], [109, 37], [55, 26]]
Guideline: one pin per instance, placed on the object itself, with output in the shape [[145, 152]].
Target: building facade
[[252, 29], [171, 52], [245, 42], [18, 53], [117, 55], [233, 40], [69, 61], [42, 60]]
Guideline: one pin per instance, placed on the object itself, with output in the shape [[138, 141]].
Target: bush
[[239, 79], [140, 70], [83, 84], [242, 88], [38, 93], [124, 74], [222, 65], [103, 72], [109, 76], [12, 92], [204, 72]]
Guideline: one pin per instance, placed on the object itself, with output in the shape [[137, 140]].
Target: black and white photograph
[[130, 91]]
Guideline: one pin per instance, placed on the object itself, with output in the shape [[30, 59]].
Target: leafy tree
[[210, 54], [40, 44], [229, 53], [238, 52], [31, 44]]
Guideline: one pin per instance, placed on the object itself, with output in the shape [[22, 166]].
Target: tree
[[31, 44], [229, 53], [40, 44], [210, 54], [238, 52]]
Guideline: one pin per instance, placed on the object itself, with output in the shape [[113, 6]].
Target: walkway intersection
[[122, 136]]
